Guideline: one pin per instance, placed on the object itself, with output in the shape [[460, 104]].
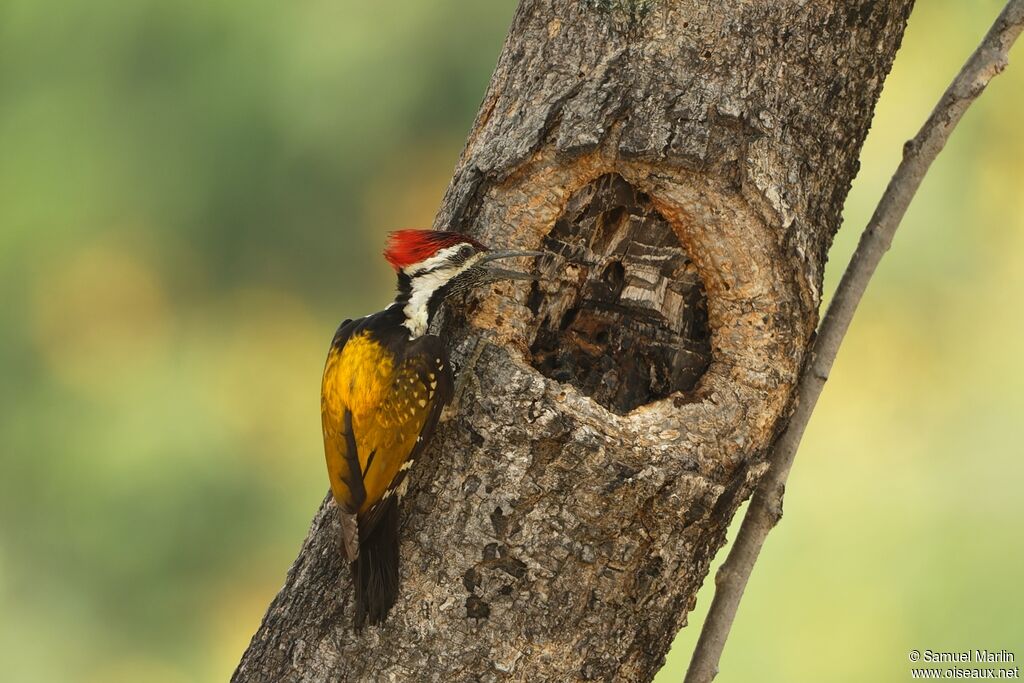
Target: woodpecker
[[384, 385]]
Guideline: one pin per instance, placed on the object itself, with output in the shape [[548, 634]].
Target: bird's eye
[[466, 251]]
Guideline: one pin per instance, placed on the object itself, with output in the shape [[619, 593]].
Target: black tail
[[375, 571]]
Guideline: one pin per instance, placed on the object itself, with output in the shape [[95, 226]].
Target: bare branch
[[988, 60]]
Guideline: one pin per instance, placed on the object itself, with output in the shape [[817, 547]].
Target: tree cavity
[[624, 317]]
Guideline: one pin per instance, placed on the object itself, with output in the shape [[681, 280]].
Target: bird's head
[[433, 265]]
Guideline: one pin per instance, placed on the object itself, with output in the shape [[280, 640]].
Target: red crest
[[409, 247]]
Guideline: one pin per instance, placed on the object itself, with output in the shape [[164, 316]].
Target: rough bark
[[685, 164]]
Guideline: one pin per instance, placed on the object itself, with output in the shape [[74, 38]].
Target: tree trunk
[[685, 166]]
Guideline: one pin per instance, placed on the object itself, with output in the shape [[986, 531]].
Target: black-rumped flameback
[[384, 385]]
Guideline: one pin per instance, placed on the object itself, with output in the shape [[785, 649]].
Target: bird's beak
[[494, 274]]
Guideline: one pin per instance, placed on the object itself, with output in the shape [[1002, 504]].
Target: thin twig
[[766, 505]]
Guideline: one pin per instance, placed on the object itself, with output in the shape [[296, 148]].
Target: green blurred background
[[193, 193]]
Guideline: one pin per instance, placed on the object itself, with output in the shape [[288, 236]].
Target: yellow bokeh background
[[194, 193]]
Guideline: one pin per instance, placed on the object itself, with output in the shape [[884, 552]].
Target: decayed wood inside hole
[[624, 316]]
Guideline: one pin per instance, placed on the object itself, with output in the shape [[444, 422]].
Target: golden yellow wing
[[377, 412]]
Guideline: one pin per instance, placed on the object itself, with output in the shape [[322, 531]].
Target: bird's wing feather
[[426, 369], [377, 414], [337, 439]]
